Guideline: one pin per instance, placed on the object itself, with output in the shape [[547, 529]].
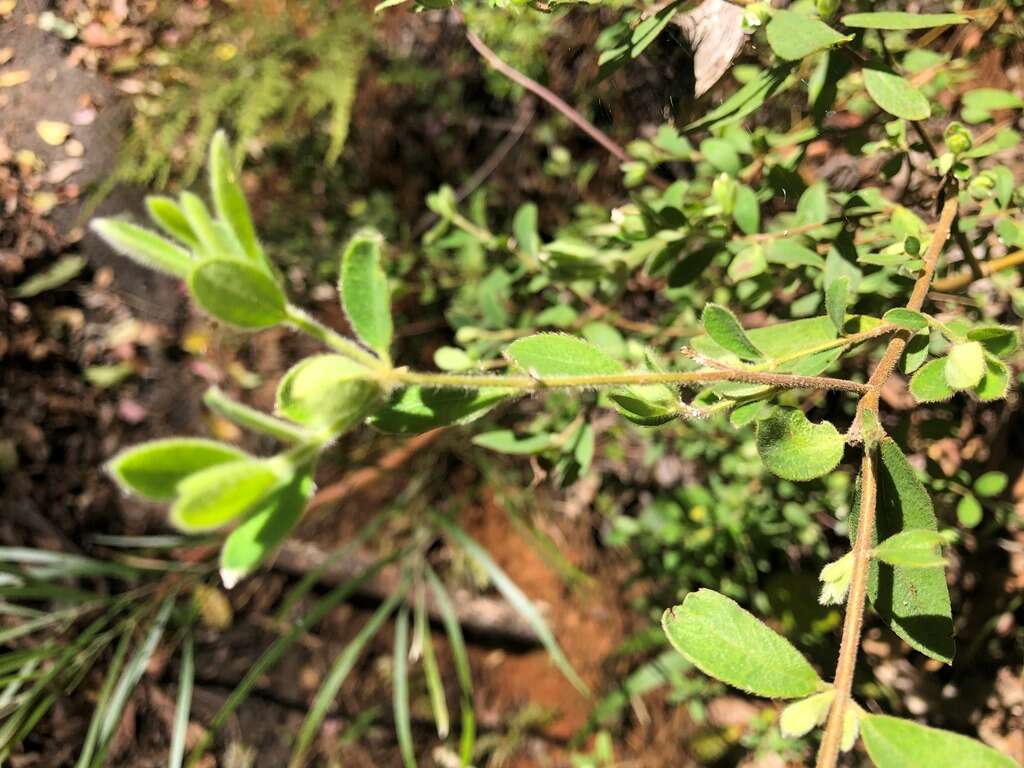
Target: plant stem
[[849, 646], [218, 401], [640, 378], [301, 321], [952, 283], [854, 620], [843, 341]]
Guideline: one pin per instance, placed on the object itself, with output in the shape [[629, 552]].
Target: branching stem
[[301, 321], [849, 647]]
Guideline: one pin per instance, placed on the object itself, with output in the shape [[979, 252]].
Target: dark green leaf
[[728, 643], [913, 601], [906, 318], [836, 300], [998, 340], [995, 384], [929, 385], [418, 409]]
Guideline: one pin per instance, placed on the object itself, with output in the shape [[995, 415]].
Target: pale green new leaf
[[143, 246], [902, 20], [262, 532], [723, 327], [365, 295], [797, 449], [214, 497], [965, 365], [237, 293], [506, 441], [893, 742], [154, 469], [327, 391], [730, 644], [793, 35], [229, 200], [166, 214], [896, 95]]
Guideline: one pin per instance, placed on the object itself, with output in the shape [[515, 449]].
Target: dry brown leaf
[[13, 77], [53, 132]]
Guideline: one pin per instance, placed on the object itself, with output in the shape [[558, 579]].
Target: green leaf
[[965, 365], [329, 391], [919, 548], [730, 644], [166, 214], [902, 20], [790, 253], [183, 705], [551, 355], [906, 318], [929, 385], [796, 449], [722, 155], [237, 293], [506, 441], [991, 99], [784, 340], [211, 240], [364, 292], [969, 511], [153, 470], [229, 200], [896, 743], [896, 95], [799, 718], [793, 35], [252, 542], [723, 327], [515, 597], [998, 340], [400, 689], [524, 229], [431, 670], [914, 602], [991, 484], [748, 98], [60, 272], [141, 245], [836, 300], [917, 351], [418, 409], [995, 384], [215, 496], [746, 210]]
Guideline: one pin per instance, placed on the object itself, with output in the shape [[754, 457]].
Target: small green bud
[[912, 245], [981, 186], [723, 190], [958, 138], [835, 580]]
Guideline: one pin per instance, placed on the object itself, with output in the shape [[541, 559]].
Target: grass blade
[[435, 687], [113, 672], [519, 601], [343, 664], [183, 704], [400, 690], [457, 644]]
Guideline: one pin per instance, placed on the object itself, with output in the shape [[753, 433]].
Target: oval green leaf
[[237, 293], [215, 496], [153, 470], [723, 328], [417, 409], [143, 246], [896, 743], [902, 20], [551, 355], [929, 385], [906, 318], [327, 391], [793, 35], [730, 644], [896, 95], [797, 449]]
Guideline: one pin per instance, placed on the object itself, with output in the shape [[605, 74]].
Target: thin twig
[[958, 282], [558, 103], [849, 647]]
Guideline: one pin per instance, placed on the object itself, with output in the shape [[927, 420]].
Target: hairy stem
[[850, 643], [854, 620], [639, 378], [220, 403], [301, 321]]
